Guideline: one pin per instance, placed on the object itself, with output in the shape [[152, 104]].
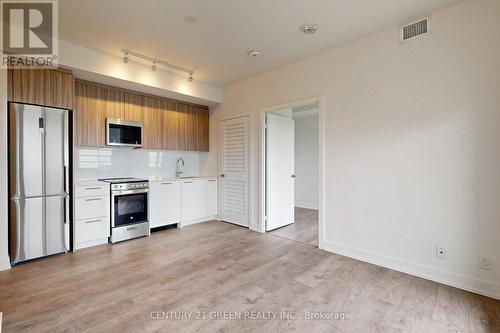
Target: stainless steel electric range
[[129, 208]]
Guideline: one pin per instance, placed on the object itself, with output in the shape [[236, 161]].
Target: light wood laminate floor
[[214, 267], [305, 228]]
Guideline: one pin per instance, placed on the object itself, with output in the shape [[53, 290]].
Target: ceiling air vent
[[414, 29]]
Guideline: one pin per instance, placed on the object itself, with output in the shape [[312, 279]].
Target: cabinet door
[[187, 127], [114, 106], [88, 114], [193, 200], [165, 203], [59, 89], [211, 206], [152, 117], [133, 109], [193, 127], [26, 85], [169, 125], [201, 129]]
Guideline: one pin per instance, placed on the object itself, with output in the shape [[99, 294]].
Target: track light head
[[153, 67], [190, 79], [125, 59]]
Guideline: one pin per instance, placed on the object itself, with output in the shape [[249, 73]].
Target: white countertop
[[89, 182], [95, 182], [171, 179]]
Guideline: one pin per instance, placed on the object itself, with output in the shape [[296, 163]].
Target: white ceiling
[[216, 46]]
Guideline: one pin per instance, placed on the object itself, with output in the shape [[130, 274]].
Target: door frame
[[250, 165], [262, 161]]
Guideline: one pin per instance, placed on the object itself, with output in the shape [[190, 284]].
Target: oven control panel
[[130, 186]]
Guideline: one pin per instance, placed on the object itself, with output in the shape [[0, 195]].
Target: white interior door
[[234, 167], [280, 178]]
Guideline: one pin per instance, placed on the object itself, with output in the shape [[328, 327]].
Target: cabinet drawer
[[91, 229], [91, 190], [87, 208]]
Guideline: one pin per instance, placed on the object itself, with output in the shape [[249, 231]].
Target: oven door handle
[[128, 192]]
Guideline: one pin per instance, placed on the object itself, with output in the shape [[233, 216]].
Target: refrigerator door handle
[[66, 179], [66, 210], [15, 224]]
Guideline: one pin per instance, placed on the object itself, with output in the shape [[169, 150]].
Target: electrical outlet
[[441, 252], [485, 263]]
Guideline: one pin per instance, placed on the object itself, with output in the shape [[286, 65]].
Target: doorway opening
[[292, 172]]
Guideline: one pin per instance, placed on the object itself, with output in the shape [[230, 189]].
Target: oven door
[[129, 207]]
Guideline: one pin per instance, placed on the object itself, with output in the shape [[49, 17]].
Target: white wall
[[412, 149], [4, 253], [307, 162], [92, 163]]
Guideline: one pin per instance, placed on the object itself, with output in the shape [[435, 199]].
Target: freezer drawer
[[37, 228]]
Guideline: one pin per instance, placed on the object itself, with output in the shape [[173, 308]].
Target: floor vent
[[415, 29]]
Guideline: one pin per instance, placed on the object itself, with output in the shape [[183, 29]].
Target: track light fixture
[[155, 62]]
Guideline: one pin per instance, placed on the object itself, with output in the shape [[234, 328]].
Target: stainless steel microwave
[[124, 133]]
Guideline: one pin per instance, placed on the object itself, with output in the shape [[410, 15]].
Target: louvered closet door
[[234, 171]]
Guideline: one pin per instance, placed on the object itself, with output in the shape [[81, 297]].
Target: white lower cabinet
[[193, 201], [199, 200], [164, 203], [87, 208], [182, 201], [91, 215], [211, 202], [91, 229]]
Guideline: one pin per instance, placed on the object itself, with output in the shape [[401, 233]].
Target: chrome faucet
[[180, 163]]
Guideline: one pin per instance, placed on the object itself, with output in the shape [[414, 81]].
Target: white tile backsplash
[[93, 163]]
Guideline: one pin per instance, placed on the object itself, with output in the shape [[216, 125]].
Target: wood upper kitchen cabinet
[[47, 87], [114, 104], [133, 107], [88, 114], [26, 85], [193, 127], [201, 129], [183, 117], [168, 124], [152, 123], [59, 88]]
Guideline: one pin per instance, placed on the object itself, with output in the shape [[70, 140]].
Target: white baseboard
[[195, 221], [307, 205], [4, 263], [472, 284], [95, 242]]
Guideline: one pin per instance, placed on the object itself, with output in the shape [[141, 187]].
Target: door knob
[[294, 176], [223, 175]]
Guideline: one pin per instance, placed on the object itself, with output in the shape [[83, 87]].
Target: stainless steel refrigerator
[[39, 181]]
